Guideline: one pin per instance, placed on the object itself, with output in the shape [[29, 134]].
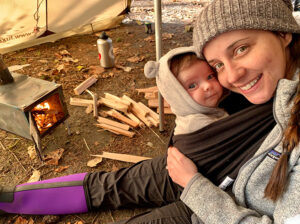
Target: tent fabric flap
[[23, 22]]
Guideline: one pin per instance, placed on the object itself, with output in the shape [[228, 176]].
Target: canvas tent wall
[[24, 23]]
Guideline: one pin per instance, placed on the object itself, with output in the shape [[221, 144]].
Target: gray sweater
[[214, 206]]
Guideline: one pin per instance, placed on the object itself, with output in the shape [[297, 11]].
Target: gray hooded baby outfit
[[190, 116]]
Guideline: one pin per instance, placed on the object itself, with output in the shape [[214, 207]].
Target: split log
[[85, 84], [153, 121], [151, 112], [121, 117], [148, 90], [136, 109], [113, 104], [103, 120], [134, 118], [117, 99], [116, 129], [122, 157], [80, 102]]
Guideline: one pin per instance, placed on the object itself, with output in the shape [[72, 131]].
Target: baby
[[190, 86]]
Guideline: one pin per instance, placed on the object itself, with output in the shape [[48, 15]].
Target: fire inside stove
[[48, 113]]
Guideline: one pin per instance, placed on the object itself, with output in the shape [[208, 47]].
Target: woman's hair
[[291, 138], [182, 61]]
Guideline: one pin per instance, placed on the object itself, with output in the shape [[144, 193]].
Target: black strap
[[221, 148]]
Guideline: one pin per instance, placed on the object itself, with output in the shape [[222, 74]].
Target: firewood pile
[[124, 114]]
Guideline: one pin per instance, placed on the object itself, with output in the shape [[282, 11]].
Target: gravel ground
[[173, 11]]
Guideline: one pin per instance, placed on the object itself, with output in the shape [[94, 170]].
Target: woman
[[148, 184], [255, 54]]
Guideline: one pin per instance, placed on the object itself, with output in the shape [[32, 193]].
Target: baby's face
[[200, 82]]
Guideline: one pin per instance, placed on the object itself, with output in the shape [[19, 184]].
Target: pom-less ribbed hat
[[221, 16]]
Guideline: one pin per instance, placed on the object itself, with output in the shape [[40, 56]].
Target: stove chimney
[[5, 75]]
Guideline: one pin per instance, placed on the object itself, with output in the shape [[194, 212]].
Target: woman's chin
[[258, 100]]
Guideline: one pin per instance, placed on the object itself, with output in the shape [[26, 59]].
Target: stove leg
[[38, 150], [35, 135]]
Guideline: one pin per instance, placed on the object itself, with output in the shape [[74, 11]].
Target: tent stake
[[158, 25]]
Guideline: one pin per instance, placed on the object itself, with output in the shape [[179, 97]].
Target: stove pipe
[[5, 75]]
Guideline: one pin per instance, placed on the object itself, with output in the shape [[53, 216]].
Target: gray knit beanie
[[180, 101], [221, 16]]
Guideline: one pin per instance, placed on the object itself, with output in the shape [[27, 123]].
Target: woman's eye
[[241, 50], [192, 86], [218, 66]]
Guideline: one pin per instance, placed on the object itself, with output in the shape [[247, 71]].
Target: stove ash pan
[[30, 107]]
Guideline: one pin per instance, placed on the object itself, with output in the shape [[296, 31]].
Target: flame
[[47, 113], [42, 106]]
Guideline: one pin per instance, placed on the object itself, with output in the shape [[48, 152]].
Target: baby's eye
[[192, 86], [241, 49], [210, 77]]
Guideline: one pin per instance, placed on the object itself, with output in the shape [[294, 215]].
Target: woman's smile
[[249, 87]]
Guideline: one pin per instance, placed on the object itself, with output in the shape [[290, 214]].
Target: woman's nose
[[235, 73]]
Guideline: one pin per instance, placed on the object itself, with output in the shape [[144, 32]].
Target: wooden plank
[[80, 102], [122, 157], [116, 129], [121, 117], [113, 104], [85, 84], [103, 120], [154, 103]]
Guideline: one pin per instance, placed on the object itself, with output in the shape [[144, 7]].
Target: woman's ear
[[286, 38]]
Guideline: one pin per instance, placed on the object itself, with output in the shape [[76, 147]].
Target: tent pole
[[158, 25]]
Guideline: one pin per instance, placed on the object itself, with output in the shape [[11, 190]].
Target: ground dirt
[[16, 167]]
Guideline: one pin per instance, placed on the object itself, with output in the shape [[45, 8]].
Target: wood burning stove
[[30, 107]]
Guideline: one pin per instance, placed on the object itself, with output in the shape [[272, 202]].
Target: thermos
[[105, 50]]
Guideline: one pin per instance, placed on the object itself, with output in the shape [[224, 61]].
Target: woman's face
[[249, 62]]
